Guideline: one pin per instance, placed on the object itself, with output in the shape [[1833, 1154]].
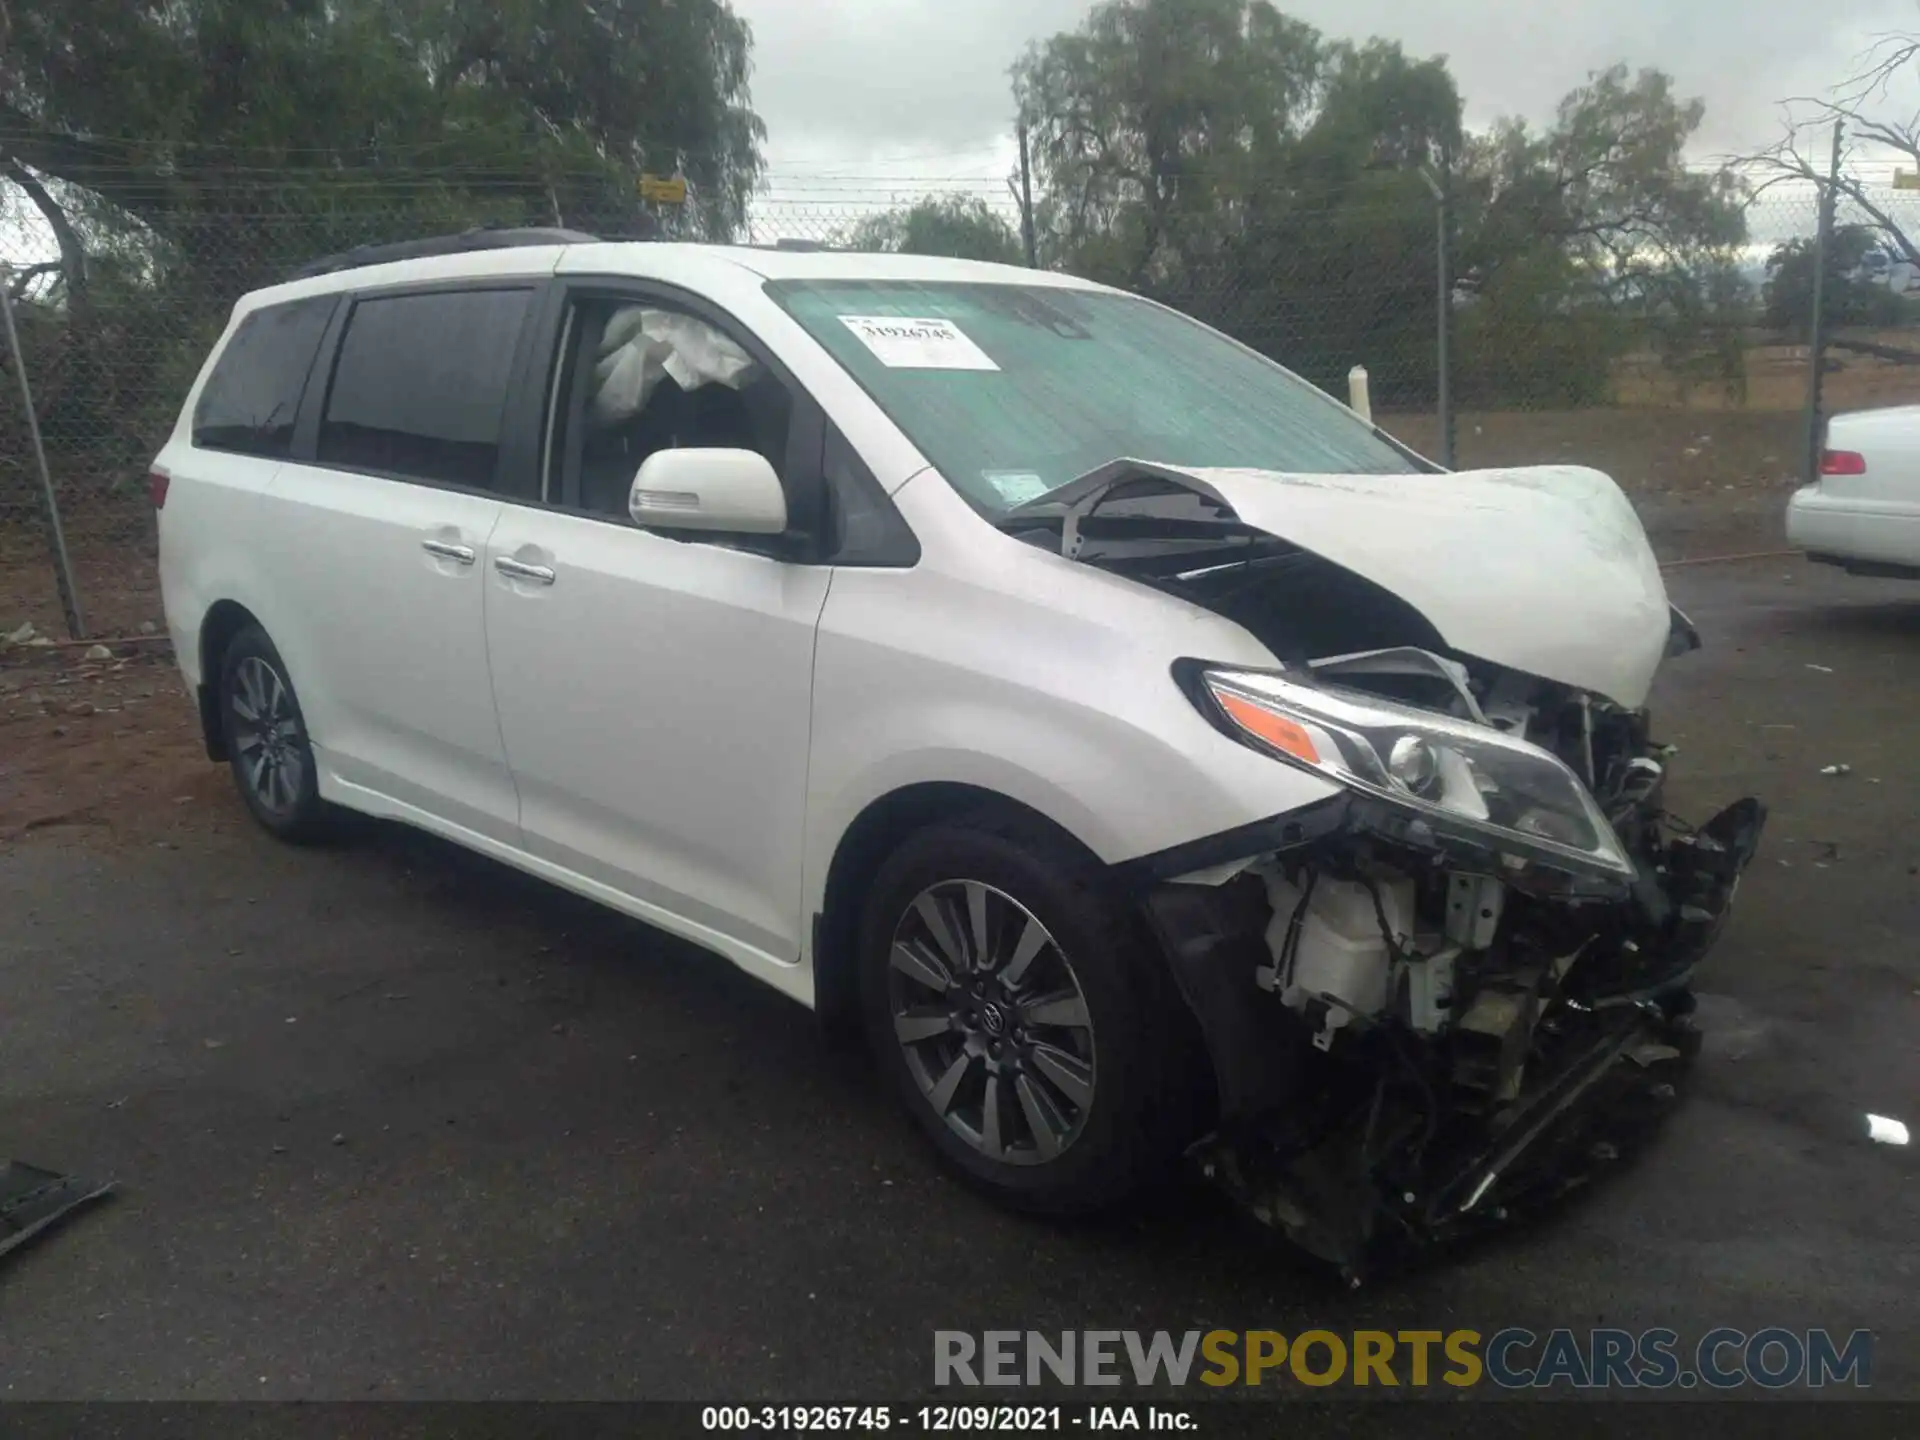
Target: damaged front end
[[1460, 988]]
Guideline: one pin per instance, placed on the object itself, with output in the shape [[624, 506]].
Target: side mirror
[[731, 491]]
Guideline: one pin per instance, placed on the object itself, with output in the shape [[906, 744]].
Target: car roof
[[775, 264], [688, 264]]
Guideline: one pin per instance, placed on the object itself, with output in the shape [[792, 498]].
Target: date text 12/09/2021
[[944, 1419]]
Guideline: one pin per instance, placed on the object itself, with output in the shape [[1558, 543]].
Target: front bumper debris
[[1555, 1066], [1363, 1207]]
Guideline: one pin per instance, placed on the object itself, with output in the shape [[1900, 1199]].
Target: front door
[[654, 694]]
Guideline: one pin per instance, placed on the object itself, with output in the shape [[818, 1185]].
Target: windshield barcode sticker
[[903, 343]]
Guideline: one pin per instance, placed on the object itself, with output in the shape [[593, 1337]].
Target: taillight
[[157, 487], [1842, 462]]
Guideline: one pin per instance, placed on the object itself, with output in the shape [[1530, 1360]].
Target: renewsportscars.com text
[[1774, 1358]]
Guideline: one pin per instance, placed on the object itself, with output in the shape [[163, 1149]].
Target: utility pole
[[1443, 338], [1026, 201], [56, 540], [1817, 340]]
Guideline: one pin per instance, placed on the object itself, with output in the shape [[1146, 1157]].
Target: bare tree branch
[[73, 255], [21, 279], [1854, 102], [1882, 60], [1788, 163]]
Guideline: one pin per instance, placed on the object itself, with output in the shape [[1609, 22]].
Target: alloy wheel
[[992, 1022], [267, 736]]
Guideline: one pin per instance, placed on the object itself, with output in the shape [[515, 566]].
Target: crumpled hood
[[1544, 569]]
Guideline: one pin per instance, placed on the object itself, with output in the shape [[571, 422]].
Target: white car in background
[[1148, 753], [1864, 512]]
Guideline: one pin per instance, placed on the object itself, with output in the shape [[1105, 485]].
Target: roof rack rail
[[484, 238]]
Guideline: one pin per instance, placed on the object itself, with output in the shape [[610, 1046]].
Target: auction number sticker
[[903, 342]]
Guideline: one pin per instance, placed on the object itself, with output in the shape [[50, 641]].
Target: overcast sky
[[843, 83]]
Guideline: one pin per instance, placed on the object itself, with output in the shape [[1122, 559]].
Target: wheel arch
[[224, 620], [863, 847]]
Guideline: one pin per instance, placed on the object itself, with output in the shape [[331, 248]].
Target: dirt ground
[[1776, 378], [111, 544], [107, 745]]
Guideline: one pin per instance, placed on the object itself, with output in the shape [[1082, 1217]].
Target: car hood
[[1544, 569]]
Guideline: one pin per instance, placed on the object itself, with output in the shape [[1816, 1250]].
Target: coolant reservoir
[[1340, 951]]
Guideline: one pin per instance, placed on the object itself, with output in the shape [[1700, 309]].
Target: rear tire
[[1024, 1018], [266, 738]]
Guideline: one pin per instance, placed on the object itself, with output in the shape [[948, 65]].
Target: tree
[[1863, 105], [1604, 200], [1847, 295], [962, 226], [226, 124], [1336, 235], [1608, 184], [1225, 157], [181, 152], [1154, 117], [1381, 110]]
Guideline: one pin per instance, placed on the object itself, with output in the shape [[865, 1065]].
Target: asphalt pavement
[[390, 1121]]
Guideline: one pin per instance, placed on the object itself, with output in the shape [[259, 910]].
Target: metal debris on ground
[[33, 1200], [1836, 769], [1823, 669]]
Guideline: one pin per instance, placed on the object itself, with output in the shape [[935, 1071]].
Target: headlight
[[1493, 789]]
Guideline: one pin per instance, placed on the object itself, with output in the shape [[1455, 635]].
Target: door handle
[[447, 550], [520, 570]]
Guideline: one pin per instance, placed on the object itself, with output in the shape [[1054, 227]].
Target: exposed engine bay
[[1459, 988]]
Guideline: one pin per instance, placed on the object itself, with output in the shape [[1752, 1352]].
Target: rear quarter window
[[252, 398]]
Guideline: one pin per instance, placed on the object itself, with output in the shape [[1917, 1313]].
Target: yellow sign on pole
[[1906, 180], [663, 189]]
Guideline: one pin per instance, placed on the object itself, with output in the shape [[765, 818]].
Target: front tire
[[266, 738], [1024, 1018]]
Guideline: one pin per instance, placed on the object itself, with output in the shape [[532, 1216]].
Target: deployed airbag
[[642, 344]]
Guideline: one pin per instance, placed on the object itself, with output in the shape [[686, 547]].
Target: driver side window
[[638, 376]]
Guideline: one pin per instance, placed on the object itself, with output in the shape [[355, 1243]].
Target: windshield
[[1011, 390]]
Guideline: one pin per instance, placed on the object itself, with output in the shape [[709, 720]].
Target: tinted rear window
[[421, 384], [250, 401]]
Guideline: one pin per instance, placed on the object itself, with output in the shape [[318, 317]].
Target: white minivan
[[1145, 753]]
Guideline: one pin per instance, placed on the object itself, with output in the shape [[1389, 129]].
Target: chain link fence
[[1684, 394]]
